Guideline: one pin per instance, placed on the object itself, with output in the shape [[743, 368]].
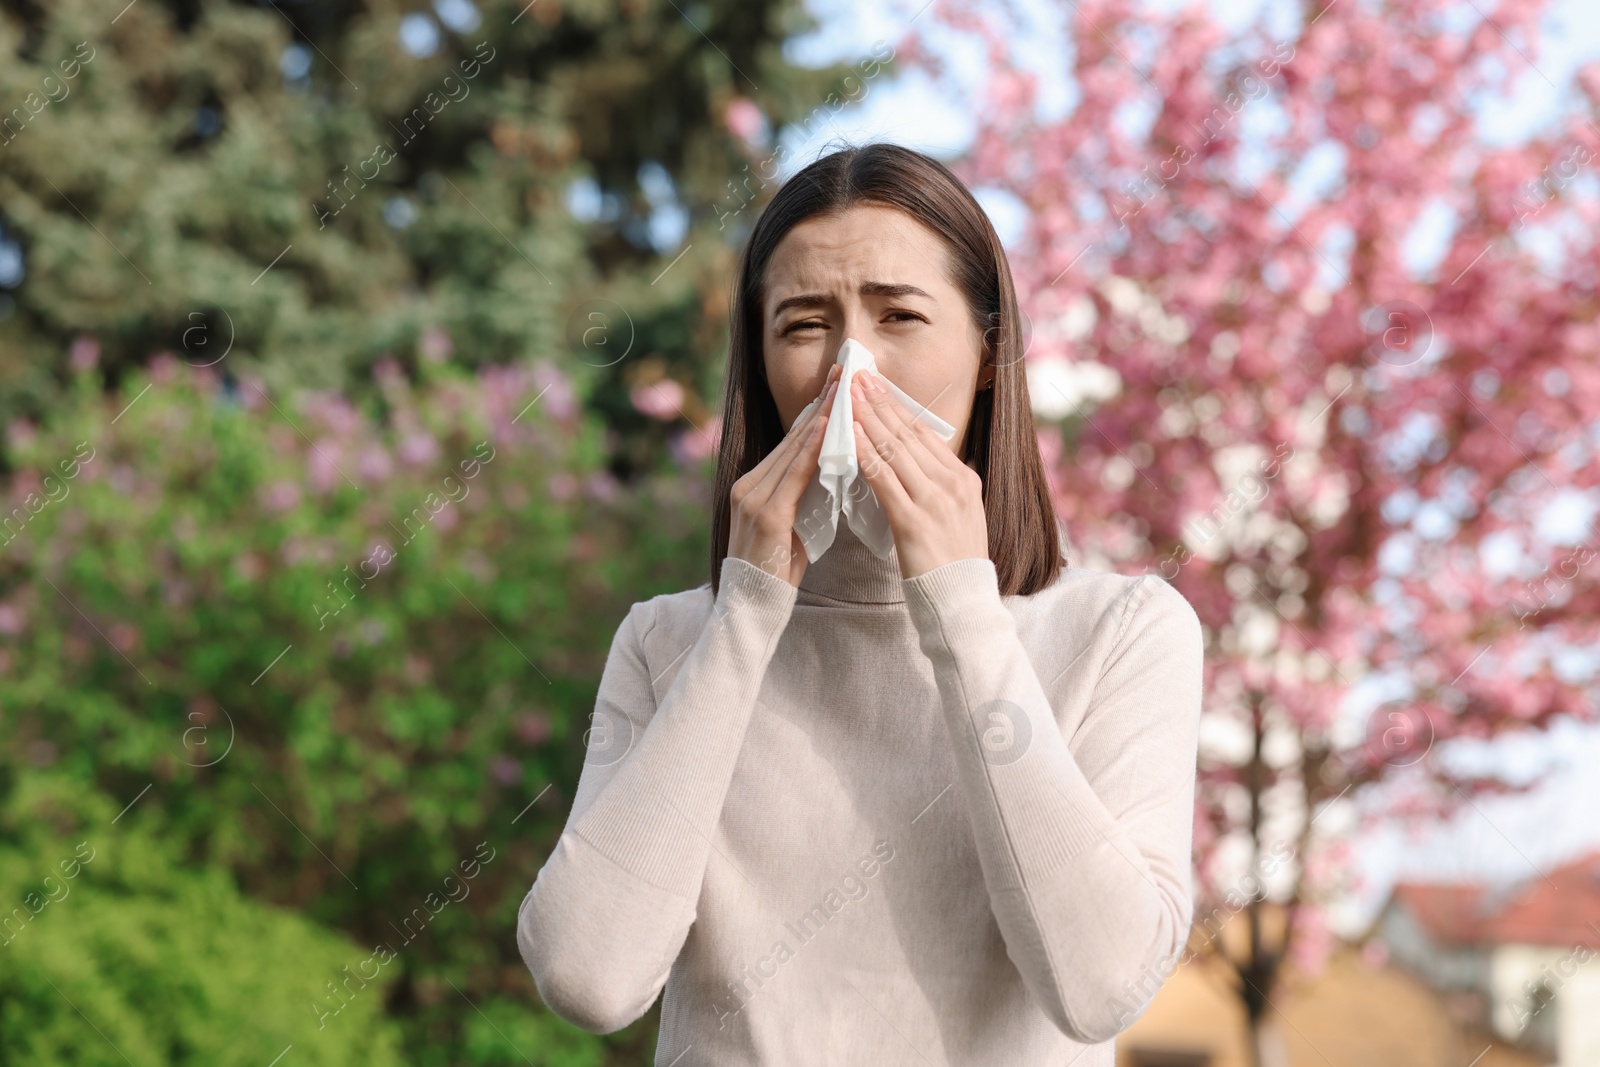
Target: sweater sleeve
[[1084, 842], [612, 906]]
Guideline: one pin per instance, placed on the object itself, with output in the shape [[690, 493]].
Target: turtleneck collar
[[848, 571]]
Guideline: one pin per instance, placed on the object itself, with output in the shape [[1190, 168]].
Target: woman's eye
[[906, 316], [809, 324]]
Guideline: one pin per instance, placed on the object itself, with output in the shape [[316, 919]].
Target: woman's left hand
[[934, 502]]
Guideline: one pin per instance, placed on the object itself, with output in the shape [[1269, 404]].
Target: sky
[[1498, 840]]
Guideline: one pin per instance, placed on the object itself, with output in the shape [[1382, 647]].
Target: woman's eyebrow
[[891, 289], [810, 300], [804, 300]]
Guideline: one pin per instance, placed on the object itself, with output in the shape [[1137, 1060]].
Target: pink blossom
[[600, 485], [562, 486], [282, 495], [1011, 90], [20, 435], [386, 369], [1292, 363], [559, 401], [659, 400], [251, 396], [123, 636], [534, 728], [84, 354], [515, 496], [10, 620], [434, 344], [322, 465], [745, 120], [334, 412], [506, 770], [693, 445], [374, 465], [1313, 941], [418, 449], [164, 367], [293, 550]]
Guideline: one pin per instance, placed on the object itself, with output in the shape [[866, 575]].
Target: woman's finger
[[888, 427], [773, 468], [875, 468], [883, 479], [803, 468]]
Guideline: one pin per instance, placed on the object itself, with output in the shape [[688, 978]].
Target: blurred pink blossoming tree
[[1353, 457]]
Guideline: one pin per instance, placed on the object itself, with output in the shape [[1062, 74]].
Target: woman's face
[[878, 275]]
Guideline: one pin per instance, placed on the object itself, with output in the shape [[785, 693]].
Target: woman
[[933, 808]]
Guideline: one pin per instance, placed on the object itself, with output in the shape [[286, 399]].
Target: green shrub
[[133, 955], [195, 597]]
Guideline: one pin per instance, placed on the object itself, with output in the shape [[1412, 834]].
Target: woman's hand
[[766, 500], [934, 502]]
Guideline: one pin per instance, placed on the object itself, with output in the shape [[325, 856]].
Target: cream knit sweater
[[879, 821]]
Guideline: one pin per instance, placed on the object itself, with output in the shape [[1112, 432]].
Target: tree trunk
[[1267, 1048], [1259, 972]]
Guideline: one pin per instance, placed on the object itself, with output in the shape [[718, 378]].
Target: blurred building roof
[[1558, 909]]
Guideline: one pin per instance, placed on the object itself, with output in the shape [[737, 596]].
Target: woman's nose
[[857, 324]]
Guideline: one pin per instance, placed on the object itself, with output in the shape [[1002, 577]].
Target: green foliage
[[388, 192], [320, 739], [342, 647], [503, 1034], [131, 954]]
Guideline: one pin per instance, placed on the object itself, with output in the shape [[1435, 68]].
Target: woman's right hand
[[767, 499]]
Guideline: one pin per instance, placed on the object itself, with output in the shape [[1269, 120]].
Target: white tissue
[[837, 487]]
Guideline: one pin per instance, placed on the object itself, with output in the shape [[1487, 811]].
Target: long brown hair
[[1024, 536]]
